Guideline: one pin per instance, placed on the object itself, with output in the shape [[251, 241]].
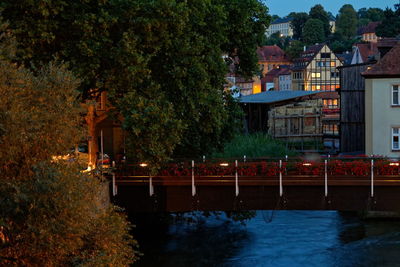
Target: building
[[368, 33], [291, 116], [270, 82], [315, 70], [270, 57], [282, 26], [382, 105], [284, 80], [364, 52], [352, 108]]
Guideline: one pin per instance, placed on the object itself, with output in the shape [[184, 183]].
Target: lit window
[[316, 74], [395, 95], [333, 64], [395, 138]]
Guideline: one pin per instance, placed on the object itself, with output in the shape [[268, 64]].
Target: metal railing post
[[193, 186], [372, 178], [114, 187], [326, 178], [236, 178], [280, 179], [151, 188]]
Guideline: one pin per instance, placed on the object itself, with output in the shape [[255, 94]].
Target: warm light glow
[[394, 164], [224, 164], [143, 164], [307, 164]]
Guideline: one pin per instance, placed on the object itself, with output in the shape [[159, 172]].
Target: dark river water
[[279, 238]]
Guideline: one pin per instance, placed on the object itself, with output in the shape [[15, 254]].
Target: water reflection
[[280, 238]]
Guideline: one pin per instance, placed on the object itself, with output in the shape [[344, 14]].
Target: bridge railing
[[269, 167]]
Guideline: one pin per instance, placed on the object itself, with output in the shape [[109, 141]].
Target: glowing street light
[[143, 165], [224, 164]]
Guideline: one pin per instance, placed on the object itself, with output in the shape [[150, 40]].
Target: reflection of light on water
[[290, 238]]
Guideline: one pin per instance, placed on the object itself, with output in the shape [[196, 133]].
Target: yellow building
[[382, 106]]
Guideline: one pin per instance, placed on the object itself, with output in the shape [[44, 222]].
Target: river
[[279, 238]]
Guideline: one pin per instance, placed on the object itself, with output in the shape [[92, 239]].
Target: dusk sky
[[282, 8]]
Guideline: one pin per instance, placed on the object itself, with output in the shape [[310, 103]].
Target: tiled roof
[[283, 20], [370, 28], [368, 50], [388, 66], [274, 96], [345, 57], [271, 53], [269, 77], [306, 56]]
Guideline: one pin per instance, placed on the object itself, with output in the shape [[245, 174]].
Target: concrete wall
[[380, 116]]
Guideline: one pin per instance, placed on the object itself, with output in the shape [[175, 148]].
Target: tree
[[294, 49], [298, 22], [50, 213], [390, 26], [347, 21], [318, 12], [313, 31], [160, 61]]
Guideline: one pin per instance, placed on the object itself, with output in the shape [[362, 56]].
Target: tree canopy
[[390, 26], [161, 62], [318, 12], [298, 22], [50, 213], [313, 31], [346, 23]]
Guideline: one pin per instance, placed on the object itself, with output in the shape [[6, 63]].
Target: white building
[[280, 25], [382, 106]]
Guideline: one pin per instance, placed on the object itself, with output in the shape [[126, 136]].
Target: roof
[[282, 20], [370, 28], [307, 56], [274, 96], [345, 58], [271, 53], [368, 50], [269, 76], [388, 66]]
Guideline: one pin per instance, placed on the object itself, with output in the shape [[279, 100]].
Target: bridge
[[324, 184]]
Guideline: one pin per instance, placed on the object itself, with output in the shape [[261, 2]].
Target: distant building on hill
[[368, 33], [282, 26]]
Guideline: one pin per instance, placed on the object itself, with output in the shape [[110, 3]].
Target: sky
[[284, 7]]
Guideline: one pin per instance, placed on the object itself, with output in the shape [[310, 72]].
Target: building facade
[[382, 106], [316, 70], [282, 26]]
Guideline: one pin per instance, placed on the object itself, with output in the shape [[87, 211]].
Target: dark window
[[325, 55]]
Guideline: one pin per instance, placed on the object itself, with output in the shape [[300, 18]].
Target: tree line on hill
[[313, 27]]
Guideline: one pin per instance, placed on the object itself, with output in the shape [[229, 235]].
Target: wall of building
[[380, 116]]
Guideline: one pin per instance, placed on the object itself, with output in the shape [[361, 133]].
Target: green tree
[[50, 213], [294, 49], [318, 12], [161, 62], [298, 22], [347, 21], [313, 31], [390, 26]]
